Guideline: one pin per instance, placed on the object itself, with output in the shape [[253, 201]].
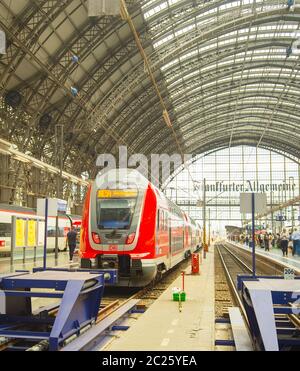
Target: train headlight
[[96, 238], [130, 239]]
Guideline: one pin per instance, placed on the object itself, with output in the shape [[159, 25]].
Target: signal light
[[96, 238], [130, 239]]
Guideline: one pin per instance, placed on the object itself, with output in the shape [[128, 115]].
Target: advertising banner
[[31, 233], [20, 233]]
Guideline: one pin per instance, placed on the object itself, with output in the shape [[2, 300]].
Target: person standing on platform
[[270, 236], [266, 242], [278, 245], [72, 239], [273, 241], [260, 241], [284, 244], [296, 241]]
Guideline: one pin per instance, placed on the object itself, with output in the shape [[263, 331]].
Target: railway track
[[230, 261], [264, 265], [113, 299], [227, 267], [233, 262]]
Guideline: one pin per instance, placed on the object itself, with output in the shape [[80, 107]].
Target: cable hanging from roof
[[126, 16]]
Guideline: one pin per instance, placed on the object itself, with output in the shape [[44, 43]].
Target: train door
[[170, 240], [157, 232]]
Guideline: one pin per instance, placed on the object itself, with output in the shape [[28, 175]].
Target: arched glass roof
[[225, 70], [230, 171]]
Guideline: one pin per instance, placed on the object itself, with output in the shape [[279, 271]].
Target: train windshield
[[115, 213]]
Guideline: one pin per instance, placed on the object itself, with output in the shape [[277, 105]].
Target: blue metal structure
[[253, 235], [110, 275], [270, 320], [92, 338], [80, 293]]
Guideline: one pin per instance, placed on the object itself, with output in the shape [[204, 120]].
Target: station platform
[[274, 254], [62, 262], [164, 328]]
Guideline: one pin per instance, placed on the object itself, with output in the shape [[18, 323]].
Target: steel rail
[[232, 284]]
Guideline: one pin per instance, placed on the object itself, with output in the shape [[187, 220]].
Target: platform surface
[[274, 254], [63, 261], [163, 328], [55, 276]]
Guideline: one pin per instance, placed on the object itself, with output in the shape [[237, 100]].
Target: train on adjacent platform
[[130, 225], [64, 225]]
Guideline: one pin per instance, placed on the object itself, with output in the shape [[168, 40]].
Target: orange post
[[195, 264], [183, 277]]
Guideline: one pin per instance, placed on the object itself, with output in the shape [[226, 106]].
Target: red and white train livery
[[128, 224]]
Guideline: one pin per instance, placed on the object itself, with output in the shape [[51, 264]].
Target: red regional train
[[128, 224]]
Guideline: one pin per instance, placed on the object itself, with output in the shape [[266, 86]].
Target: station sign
[[55, 206], [116, 193], [257, 228], [289, 274], [260, 203], [62, 206], [281, 218]]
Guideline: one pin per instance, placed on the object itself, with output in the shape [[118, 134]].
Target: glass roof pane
[[215, 51]]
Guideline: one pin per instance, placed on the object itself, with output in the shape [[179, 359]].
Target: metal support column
[[12, 240], [46, 235], [204, 214], [253, 235], [59, 145]]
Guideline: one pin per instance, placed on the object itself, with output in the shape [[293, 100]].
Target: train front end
[[116, 234]]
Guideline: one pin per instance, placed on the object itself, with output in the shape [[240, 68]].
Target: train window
[[52, 232], [5, 229], [177, 236], [115, 213]]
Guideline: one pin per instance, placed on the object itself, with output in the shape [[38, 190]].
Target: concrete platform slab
[[164, 328], [63, 261]]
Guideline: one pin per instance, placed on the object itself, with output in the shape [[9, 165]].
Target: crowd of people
[[285, 241]]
